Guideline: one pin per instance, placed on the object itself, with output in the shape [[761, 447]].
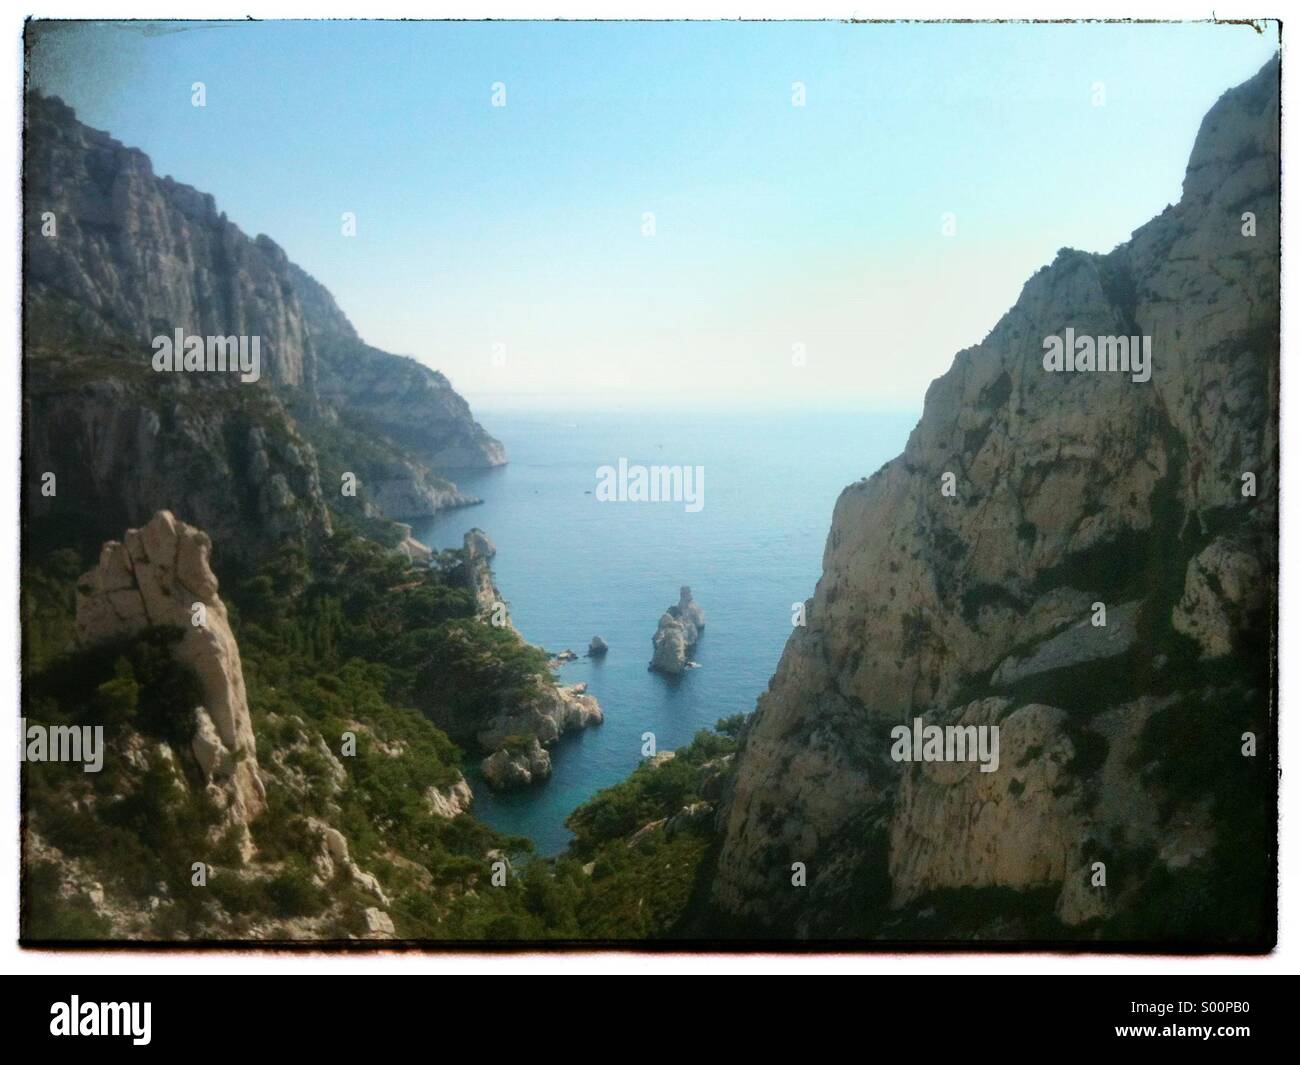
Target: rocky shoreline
[[516, 737]]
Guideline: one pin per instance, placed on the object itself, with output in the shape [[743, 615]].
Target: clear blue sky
[[775, 225]]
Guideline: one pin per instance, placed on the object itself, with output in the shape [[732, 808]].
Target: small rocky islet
[[679, 631]]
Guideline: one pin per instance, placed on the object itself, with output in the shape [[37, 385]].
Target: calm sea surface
[[571, 567]]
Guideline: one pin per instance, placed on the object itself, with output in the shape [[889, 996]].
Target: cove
[[571, 567]]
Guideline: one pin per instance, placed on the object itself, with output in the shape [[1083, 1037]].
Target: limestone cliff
[[963, 581], [115, 255], [135, 255], [118, 449], [401, 398], [477, 578]]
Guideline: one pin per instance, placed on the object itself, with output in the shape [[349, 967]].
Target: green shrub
[[46, 915]]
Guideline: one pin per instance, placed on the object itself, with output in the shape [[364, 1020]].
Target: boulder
[[517, 767], [645, 832], [452, 800], [1224, 584], [378, 924]]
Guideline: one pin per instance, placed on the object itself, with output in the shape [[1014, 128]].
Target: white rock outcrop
[[410, 547], [517, 767], [477, 577], [335, 855], [452, 800], [557, 709], [378, 924], [160, 576]]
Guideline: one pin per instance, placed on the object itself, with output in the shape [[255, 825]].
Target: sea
[[572, 564]]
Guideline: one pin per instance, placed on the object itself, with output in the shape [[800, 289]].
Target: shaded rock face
[[229, 457], [1017, 829], [409, 403], [134, 256], [409, 490], [690, 614], [1070, 488], [138, 255], [1225, 584], [155, 577], [559, 709], [711, 778], [1086, 641]]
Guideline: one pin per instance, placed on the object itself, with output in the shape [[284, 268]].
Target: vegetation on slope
[[349, 640]]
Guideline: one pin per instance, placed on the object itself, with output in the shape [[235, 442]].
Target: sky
[[798, 255]]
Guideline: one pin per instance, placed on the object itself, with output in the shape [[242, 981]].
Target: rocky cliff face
[[963, 583], [477, 578], [114, 256], [518, 735], [119, 449], [136, 255], [404, 400]]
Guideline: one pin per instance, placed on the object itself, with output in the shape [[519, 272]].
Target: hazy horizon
[[504, 245]]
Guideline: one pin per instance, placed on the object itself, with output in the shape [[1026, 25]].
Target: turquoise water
[[571, 567]]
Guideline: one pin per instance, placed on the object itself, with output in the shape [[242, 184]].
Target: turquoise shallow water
[[571, 567]]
